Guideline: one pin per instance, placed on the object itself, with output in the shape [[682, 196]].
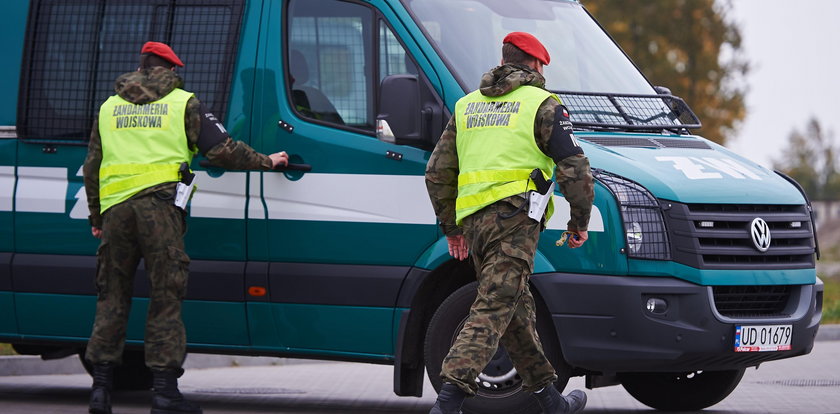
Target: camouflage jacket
[[573, 175], [149, 85]]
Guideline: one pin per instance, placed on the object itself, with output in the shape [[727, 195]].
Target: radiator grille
[[718, 236]]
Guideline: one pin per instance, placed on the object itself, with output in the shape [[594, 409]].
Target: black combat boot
[[552, 402], [103, 382], [167, 399], [449, 400]]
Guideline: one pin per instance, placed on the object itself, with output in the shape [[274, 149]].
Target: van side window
[[329, 48], [75, 50], [393, 60], [331, 62]]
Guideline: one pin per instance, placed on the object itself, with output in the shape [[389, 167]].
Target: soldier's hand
[[458, 246], [279, 158], [96, 232], [575, 242]]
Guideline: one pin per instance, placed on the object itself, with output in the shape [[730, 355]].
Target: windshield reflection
[[469, 33]]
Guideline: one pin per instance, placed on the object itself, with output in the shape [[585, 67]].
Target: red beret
[[529, 44], [163, 51]]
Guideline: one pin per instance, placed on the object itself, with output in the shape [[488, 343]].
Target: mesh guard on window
[[75, 50]]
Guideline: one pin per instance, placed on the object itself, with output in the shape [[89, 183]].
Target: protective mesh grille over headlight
[[644, 227]]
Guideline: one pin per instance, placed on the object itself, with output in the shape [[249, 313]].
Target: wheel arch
[[430, 289]]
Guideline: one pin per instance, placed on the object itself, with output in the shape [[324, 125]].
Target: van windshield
[[469, 33]]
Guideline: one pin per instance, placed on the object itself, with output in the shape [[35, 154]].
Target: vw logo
[[760, 232]]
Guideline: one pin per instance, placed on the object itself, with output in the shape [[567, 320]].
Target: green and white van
[[700, 263]]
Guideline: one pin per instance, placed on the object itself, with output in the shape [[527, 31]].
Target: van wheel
[[681, 391], [132, 375], [499, 385]]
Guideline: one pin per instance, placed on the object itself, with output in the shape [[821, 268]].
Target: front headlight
[[634, 236], [644, 227]]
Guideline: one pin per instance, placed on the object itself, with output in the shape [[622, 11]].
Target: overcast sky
[[794, 48]]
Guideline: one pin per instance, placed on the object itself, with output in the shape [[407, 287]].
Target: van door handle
[[293, 167], [290, 167]]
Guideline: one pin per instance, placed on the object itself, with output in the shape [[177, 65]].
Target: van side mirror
[[408, 113]]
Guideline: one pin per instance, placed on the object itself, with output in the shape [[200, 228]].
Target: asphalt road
[[808, 384]]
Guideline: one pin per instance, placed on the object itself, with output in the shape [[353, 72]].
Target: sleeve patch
[[212, 131], [563, 143]]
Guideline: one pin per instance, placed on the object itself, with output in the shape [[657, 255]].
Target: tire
[[682, 391], [132, 375], [499, 386]]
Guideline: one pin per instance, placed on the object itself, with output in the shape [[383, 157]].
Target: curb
[[33, 365], [829, 333]]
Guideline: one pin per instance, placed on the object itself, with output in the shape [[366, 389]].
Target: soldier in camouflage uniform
[[500, 236], [148, 225]]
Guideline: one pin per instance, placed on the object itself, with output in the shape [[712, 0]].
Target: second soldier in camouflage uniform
[[503, 248], [149, 226]]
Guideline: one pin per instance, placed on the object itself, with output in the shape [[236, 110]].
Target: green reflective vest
[[496, 148], [142, 145]]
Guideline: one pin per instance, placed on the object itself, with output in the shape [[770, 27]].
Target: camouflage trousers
[[151, 228], [503, 312]]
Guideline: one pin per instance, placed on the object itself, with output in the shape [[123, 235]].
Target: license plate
[[762, 338]]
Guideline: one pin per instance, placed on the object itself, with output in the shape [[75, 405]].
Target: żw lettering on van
[[702, 168]]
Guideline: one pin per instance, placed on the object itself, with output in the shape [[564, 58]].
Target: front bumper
[[603, 326]]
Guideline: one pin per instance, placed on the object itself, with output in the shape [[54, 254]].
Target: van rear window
[[76, 49]]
